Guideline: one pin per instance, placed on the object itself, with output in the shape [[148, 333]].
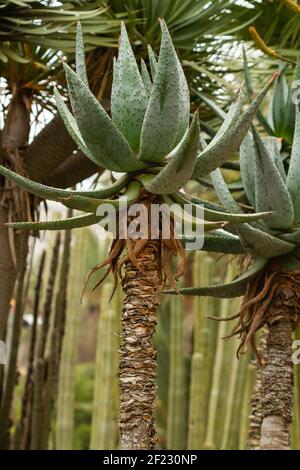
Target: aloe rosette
[[150, 140]]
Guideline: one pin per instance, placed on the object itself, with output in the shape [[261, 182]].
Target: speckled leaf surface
[[71, 125], [166, 118], [80, 56], [271, 193], [247, 163], [103, 139], [293, 177], [146, 78], [129, 98], [261, 243], [229, 140], [179, 168]]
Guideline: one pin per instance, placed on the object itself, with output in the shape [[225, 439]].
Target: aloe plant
[[271, 285], [149, 140]]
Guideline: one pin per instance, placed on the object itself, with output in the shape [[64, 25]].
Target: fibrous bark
[[277, 388], [137, 355]]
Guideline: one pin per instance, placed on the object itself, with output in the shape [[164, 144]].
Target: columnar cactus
[[147, 138]]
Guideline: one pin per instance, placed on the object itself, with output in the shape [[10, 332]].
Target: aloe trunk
[[104, 417], [137, 355], [277, 385]]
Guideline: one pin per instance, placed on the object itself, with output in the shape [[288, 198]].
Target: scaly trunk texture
[[255, 418], [137, 355], [277, 388]]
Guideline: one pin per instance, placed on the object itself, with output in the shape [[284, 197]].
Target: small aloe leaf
[[273, 146], [290, 115], [235, 288], [71, 125], [193, 222], [271, 193], [225, 143], [53, 194], [63, 224], [167, 116], [223, 192], [218, 216], [91, 205], [128, 97], [80, 56], [293, 177], [279, 103], [153, 62], [180, 166], [247, 163], [292, 237], [101, 136], [261, 243], [146, 78], [250, 92], [221, 244]]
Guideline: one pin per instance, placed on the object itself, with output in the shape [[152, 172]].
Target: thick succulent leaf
[[260, 243], [220, 244], [289, 124], [271, 193], [234, 186], [224, 144], [250, 91], [273, 146], [128, 96], [247, 163], [90, 205], [293, 236], [80, 56], [106, 143], [223, 192], [71, 124], [235, 288], [279, 103], [167, 115], [146, 78], [293, 177], [193, 222], [53, 194], [181, 162], [218, 216], [153, 62], [63, 224]]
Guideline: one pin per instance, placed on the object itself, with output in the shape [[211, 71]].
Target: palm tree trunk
[[277, 385], [137, 355]]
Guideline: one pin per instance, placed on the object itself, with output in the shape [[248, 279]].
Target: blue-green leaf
[[71, 125], [105, 142], [260, 243], [247, 163], [146, 78], [63, 224], [80, 56], [293, 177], [128, 97], [153, 62], [229, 138], [179, 168], [271, 193], [273, 146], [167, 115], [235, 288]]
